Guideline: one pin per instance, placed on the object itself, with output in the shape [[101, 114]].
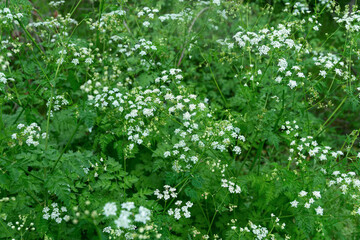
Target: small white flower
[[292, 84], [88, 61], [110, 209], [294, 203], [319, 210], [167, 154], [143, 216], [278, 79], [128, 205], [302, 193], [323, 73], [217, 2], [263, 50], [146, 24], [237, 150], [282, 64], [75, 61], [316, 194], [123, 221]]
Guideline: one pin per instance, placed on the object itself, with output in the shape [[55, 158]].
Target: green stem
[[216, 83], [72, 12], [64, 149], [216, 211], [333, 113], [29, 35]]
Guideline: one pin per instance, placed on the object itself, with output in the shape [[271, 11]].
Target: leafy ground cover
[[176, 119]]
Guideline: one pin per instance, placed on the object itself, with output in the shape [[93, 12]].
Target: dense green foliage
[[177, 119]]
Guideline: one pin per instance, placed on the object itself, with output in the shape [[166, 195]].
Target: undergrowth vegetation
[[177, 119]]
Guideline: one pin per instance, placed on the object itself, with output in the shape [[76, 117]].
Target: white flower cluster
[[141, 108], [167, 76], [184, 15], [62, 55], [6, 199], [142, 48], [292, 84], [110, 208], [300, 8], [233, 188], [224, 136], [31, 134], [3, 64], [84, 55], [222, 133], [60, 22], [56, 3], [117, 232], [225, 42], [290, 127], [21, 225], [127, 218], [147, 12], [331, 62], [57, 214], [143, 216], [124, 221], [282, 67], [259, 231], [148, 231], [282, 64], [216, 2], [277, 222], [317, 23], [168, 193], [266, 41], [279, 38], [253, 231], [134, 106], [3, 78], [348, 183], [108, 21], [176, 212], [351, 20], [57, 102], [310, 200], [7, 17], [304, 147]]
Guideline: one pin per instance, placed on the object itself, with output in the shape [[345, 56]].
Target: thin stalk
[[65, 148], [50, 105], [189, 30], [29, 36], [216, 211], [216, 83], [333, 113], [72, 12]]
